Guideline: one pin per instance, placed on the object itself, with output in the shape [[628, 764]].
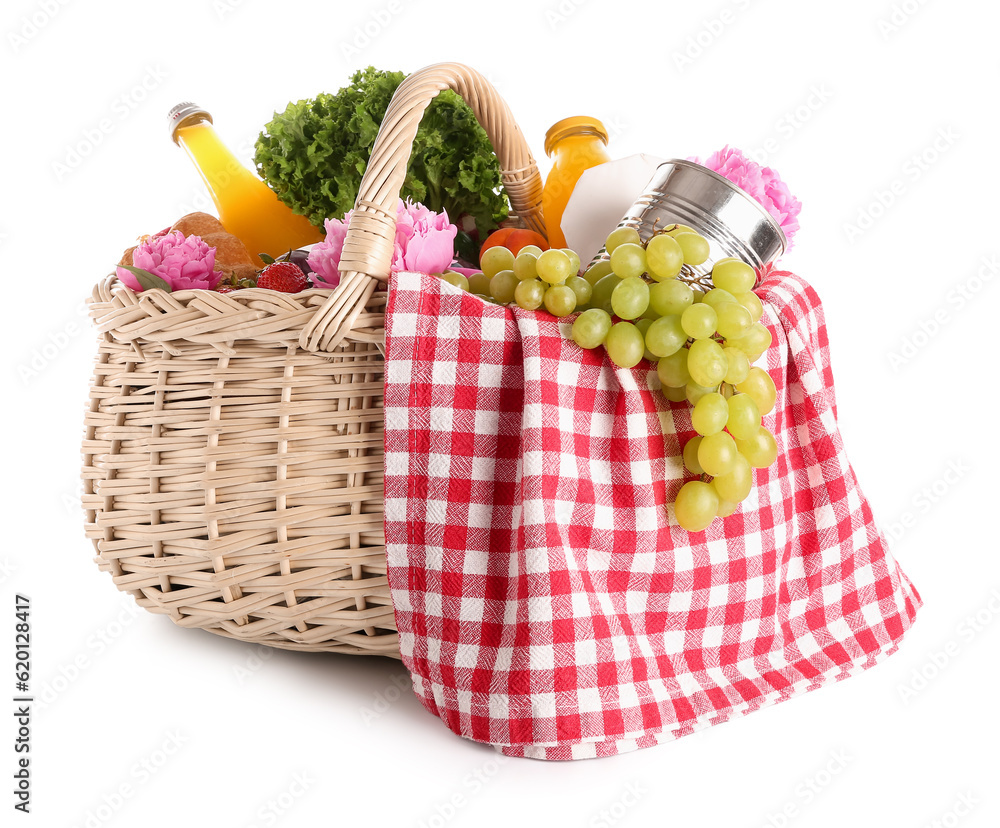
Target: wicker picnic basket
[[233, 457]]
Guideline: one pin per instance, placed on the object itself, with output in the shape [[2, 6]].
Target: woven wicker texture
[[233, 456]]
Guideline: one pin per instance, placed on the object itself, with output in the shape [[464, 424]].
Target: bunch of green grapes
[[704, 344], [532, 279]]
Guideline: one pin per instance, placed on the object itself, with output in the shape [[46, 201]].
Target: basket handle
[[368, 246]]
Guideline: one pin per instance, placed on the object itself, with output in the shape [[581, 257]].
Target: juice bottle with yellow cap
[[248, 208], [574, 144]]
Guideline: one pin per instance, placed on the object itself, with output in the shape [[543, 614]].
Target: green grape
[[709, 414], [761, 450], [717, 297], [665, 336], [735, 484], [738, 366], [674, 229], [760, 387], [560, 300], [699, 321], [496, 259], [663, 257], [725, 388], [726, 507], [744, 417], [530, 294], [456, 279], [624, 345], [717, 454], [620, 236], [601, 295], [725, 259], [696, 505], [554, 266], [533, 249], [502, 286], [650, 313], [675, 394], [695, 392], [755, 341], [630, 298], [694, 247], [733, 275], [673, 370], [574, 259], [581, 287], [670, 298], [525, 266], [597, 271], [628, 260], [591, 327], [751, 301], [691, 456], [479, 283], [734, 320], [707, 362], [643, 326]]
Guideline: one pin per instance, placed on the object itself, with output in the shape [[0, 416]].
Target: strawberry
[[227, 284], [284, 276]]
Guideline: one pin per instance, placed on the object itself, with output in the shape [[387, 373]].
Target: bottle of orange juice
[[247, 207], [575, 144]]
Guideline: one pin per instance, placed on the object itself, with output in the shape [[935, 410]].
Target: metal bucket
[[735, 224]]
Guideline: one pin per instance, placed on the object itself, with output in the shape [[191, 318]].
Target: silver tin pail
[[682, 192]]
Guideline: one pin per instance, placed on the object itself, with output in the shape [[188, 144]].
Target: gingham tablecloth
[[547, 602]]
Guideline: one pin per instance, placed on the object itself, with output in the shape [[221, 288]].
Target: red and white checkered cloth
[[547, 602]]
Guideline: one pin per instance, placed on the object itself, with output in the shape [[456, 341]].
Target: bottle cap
[[577, 125], [184, 113]]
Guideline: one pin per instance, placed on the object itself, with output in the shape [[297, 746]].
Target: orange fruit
[[513, 239]]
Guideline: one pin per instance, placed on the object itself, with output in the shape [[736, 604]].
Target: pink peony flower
[[425, 242], [184, 262], [762, 184]]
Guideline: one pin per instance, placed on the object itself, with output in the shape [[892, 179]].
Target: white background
[[880, 116]]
